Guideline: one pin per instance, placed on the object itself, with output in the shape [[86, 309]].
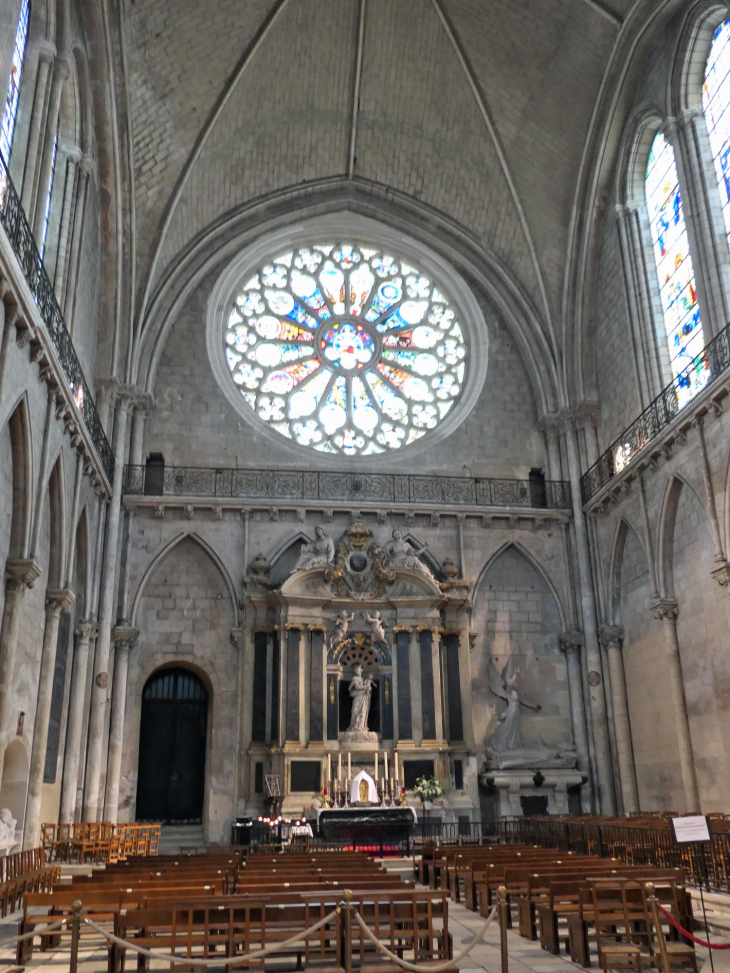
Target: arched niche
[[14, 784], [517, 616]]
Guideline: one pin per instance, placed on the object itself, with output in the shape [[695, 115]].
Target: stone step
[[175, 837]]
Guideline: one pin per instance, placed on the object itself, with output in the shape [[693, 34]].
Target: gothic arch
[[616, 566], [636, 143], [532, 561], [160, 556], [667, 521], [287, 545], [81, 573], [57, 540], [689, 57], [19, 428]]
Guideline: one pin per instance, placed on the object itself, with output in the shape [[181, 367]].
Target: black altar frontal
[[366, 824]]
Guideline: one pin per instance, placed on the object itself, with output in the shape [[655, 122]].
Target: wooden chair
[[614, 931]]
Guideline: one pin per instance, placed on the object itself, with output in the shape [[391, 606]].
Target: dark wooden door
[[172, 738]]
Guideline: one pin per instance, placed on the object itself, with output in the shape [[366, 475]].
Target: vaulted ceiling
[[478, 109]]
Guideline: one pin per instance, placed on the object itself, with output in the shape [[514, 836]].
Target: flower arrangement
[[428, 789]]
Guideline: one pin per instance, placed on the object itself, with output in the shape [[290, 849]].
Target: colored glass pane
[[10, 111], [674, 269], [716, 106], [345, 349]]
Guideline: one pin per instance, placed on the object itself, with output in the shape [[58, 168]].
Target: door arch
[[172, 744]]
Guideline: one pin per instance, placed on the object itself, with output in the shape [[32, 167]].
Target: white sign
[[693, 828]]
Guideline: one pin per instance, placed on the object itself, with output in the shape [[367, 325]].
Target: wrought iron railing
[[282, 485], [21, 239], [711, 362]]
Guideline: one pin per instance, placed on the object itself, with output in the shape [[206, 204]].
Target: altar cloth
[[376, 824]]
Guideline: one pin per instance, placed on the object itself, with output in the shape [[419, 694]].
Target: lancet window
[[10, 111]]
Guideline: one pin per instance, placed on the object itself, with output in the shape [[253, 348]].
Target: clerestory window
[[10, 111]]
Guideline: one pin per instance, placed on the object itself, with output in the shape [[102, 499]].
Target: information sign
[[692, 829]]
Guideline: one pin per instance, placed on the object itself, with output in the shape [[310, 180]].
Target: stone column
[[571, 643], [666, 610], [124, 640], [599, 720], [19, 575], [70, 282], [612, 637], [702, 211], [61, 71], [402, 634], [293, 639], [56, 601], [72, 155], [46, 57], [72, 754], [136, 444], [106, 613]]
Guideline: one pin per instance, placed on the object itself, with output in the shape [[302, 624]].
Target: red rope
[[700, 942]]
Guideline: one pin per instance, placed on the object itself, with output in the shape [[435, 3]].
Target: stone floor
[[524, 956]]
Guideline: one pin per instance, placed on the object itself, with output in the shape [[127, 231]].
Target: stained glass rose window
[[346, 349]]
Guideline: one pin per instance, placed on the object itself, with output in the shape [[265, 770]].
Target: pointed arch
[[19, 428], [284, 548], [616, 565], [667, 522], [81, 569], [160, 556], [533, 562], [57, 507]]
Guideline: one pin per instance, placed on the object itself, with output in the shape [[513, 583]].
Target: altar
[[375, 824]]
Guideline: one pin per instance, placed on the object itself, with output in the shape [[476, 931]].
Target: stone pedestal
[[515, 784]]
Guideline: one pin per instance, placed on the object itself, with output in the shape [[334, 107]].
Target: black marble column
[[403, 663], [316, 720], [258, 709], [293, 636], [450, 642], [333, 712], [275, 686], [386, 707], [425, 638]]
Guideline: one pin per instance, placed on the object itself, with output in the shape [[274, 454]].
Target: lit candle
[[329, 767], [339, 767], [376, 764], [395, 759], [385, 758], [349, 766]]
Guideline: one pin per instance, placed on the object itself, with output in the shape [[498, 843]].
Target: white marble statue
[[377, 629], [342, 623], [317, 553], [7, 829], [360, 691], [400, 554]]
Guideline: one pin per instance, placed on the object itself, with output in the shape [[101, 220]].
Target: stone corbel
[[611, 635], [22, 573], [664, 608], [238, 638], [571, 641], [58, 599]]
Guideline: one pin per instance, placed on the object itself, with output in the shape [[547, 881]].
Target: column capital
[[125, 637], [571, 642], [316, 628], [57, 599], [611, 635], [22, 574], [721, 574], [238, 638], [664, 608], [402, 628], [85, 629]]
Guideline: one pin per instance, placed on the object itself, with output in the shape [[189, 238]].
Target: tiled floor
[[524, 956]]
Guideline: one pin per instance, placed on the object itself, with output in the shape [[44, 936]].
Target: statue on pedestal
[[360, 693], [319, 553]]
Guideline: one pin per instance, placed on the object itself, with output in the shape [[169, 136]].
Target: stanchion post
[[348, 931], [652, 900], [502, 915], [75, 931]]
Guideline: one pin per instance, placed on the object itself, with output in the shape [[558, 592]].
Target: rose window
[[346, 349]]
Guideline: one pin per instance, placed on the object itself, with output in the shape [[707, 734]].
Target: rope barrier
[[447, 964], [39, 931], [296, 940], [700, 942]]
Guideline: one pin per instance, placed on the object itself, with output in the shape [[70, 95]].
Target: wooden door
[[171, 779]]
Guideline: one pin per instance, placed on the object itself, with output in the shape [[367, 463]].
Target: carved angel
[[506, 735], [377, 629], [342, 623]]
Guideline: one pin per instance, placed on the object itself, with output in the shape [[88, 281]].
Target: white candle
[[329, 768], [395, 758], [349, 766], [376, 764], [385, 758], [339, 768]]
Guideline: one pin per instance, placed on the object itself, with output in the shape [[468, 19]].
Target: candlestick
[[329, 766], [339, 766], [385, 760], [395, 758], [349, 766], [376, 765]]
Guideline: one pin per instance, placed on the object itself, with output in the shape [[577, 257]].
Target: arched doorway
[[14, 785], [172, 740]]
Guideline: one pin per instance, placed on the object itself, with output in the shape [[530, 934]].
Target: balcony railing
[[21, 239], [712, 361], [294, 485]]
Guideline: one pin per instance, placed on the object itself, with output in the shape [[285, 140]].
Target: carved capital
[[721, 573], [21, 574], [297, 625], [237, 638], [316, 628], [571, 642], [125, 637], [402, 628], [84, 630], [611, 635], [664, 608], [58, 599]]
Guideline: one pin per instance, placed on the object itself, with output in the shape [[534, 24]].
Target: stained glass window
[[716, 106], [674, 268], [7, 126], [346, 349]]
